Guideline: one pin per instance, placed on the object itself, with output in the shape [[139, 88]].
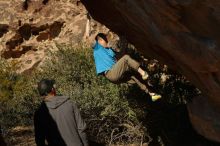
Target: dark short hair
[[45, 86], [101, 35]]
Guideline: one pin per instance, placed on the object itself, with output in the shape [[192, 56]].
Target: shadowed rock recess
[[184, 34]]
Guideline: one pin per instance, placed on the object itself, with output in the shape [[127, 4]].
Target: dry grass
[[24, 136], [20, 136]]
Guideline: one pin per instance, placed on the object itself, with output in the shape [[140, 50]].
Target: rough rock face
[[184, 34], [29, 28]]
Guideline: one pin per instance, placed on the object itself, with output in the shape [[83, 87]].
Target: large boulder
[[184, 34]]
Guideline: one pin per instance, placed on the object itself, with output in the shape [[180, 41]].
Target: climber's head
[[101, 38]]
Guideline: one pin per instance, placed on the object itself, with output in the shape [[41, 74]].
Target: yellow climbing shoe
[[154, 96], [145, 76]]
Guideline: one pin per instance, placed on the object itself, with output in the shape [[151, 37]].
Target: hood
[[56, 101]]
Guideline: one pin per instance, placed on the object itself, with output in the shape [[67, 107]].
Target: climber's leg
[[123, 65], [143, 87]]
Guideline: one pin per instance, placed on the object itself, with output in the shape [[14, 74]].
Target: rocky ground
[[21, 136], [24, 136]]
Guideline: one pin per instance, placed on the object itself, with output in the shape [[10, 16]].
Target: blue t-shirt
[[104, 58]]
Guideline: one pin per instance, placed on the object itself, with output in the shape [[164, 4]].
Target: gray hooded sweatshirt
[[58, 121]]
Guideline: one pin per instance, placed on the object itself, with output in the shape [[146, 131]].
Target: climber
[[113, 70]]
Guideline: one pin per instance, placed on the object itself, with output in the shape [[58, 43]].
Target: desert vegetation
[[115, 114]]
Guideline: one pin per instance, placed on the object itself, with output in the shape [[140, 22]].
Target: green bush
[[111, 111], [103, 104]]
